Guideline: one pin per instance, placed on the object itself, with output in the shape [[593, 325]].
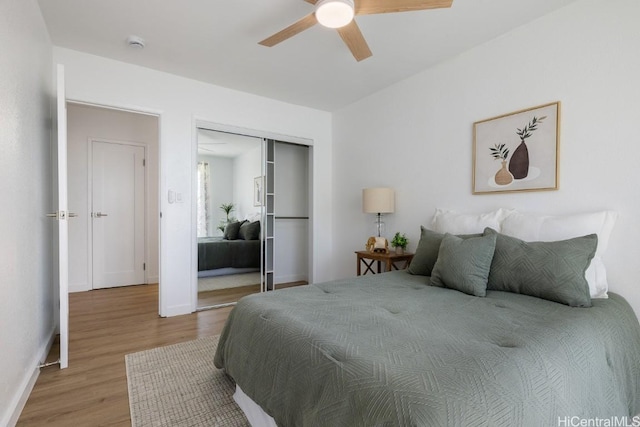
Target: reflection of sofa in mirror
[[238, 248]]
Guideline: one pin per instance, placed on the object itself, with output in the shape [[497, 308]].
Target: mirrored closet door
[[253, 225], [229, 217]]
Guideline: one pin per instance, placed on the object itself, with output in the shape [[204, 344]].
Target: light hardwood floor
[[104, 325]]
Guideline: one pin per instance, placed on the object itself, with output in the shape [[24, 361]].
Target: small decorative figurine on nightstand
[[377, 244], [400, 242]]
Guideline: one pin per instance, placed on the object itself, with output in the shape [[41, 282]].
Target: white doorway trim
[[200, 122], [90, 142], [159, 114], [126, 109]]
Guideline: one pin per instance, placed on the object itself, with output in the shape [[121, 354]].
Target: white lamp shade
[[378, 200], [334, 13]]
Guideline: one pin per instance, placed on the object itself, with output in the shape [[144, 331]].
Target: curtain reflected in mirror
[[228, 220], [204, 199]]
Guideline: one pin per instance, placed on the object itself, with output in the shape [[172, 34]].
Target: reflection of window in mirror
[[203, 200]]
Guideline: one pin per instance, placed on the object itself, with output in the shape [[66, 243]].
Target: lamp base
[[379, 226]]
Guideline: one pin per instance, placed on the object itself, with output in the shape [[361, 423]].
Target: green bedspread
[[389, 350]]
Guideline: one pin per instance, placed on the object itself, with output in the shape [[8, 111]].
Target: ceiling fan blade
[[311, 1], [370, 7], [353, 38], [293, 29]]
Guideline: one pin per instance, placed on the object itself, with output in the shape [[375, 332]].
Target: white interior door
[[118, 214], [61, 216]]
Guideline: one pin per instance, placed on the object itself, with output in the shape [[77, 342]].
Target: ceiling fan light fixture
[[334, 13]]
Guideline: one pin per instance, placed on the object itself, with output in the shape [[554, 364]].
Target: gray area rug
[[178, 385]]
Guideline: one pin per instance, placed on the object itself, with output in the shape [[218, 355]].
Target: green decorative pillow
[[250, 230], [427, 251], [463, 264], [550, 270], [231, 230]]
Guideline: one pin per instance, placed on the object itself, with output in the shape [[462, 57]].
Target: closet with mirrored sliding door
[[252, 212]]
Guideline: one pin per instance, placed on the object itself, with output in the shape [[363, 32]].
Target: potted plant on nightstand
[[400, 242]]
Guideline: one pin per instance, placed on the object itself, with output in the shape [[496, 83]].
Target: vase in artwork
[[503, 176], [519, 163]]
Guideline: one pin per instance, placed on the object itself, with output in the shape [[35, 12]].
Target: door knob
[[61, 215], [99, 214]]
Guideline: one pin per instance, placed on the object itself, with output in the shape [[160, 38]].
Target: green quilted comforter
[[389, 350]]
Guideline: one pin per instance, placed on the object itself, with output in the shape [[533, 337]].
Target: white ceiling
[[216, 41]]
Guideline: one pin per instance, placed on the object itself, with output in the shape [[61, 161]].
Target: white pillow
[[457, 223], [544, 228]]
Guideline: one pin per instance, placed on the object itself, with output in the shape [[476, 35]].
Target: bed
[[392, 350], [217, 253], [501, 319]]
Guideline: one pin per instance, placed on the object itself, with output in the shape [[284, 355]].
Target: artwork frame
[[258, 191], [533, 160]]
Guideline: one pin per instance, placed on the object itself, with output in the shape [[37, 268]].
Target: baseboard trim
[[24, 390], [79, 287], [290, 278]]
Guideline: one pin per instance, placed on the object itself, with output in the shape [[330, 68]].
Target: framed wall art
[[258, 191], [517, 151]]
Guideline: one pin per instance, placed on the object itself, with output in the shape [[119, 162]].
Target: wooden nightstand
[[390, 260]]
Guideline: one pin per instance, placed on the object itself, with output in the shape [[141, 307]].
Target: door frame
[[158, 114], [145, 146], [200, 122]]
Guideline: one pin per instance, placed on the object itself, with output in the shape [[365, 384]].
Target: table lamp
[[379, 200]]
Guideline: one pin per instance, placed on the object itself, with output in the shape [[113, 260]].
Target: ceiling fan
[[339, 14]]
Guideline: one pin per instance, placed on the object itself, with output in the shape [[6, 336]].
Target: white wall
[[291, 179], [246, 167], [26, 288], [416, 136], [86, 122], [180, 102], [221, 190]]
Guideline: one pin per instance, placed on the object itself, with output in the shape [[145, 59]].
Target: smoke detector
[[135, 42]]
